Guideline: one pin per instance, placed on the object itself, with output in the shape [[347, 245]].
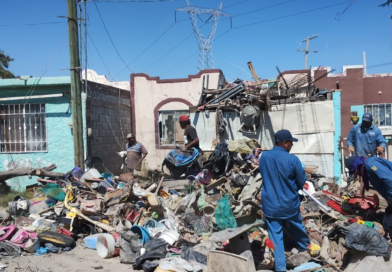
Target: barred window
[[381, 114], [23, 128]]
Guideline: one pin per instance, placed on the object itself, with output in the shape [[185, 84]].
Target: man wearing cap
[[283, 175], [366, 139], [373, 170], [190, 135], [136, 153]]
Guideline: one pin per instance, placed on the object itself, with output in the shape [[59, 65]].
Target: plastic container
[[103, 187], [91, 241], [91, 173], [123, 225], [143, 233], [106, 245], [170, 236], [120, 185], [209, 211], [32, 245], [132, 216]]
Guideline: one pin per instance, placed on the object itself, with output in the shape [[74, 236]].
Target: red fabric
[[184, 118]]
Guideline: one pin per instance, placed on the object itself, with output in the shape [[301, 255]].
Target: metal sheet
[[304, 118], [205, 127]]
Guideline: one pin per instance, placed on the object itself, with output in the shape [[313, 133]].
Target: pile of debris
[[208, 221]]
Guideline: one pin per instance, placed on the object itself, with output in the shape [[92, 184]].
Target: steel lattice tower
[[206, 60]]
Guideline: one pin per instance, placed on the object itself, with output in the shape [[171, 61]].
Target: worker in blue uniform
[[376, 171], [283, 175], [366, 139]]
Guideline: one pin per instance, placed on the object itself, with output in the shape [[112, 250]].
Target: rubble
[[198, 217]]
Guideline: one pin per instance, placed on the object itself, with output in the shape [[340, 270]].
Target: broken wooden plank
[[215, 184]]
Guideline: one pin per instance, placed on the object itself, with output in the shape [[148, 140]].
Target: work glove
[[351, 149], [380, 150]]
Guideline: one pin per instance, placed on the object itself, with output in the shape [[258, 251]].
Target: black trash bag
[[363, 238], [155, 250], [189, 254], [130, 246], [150, 266]]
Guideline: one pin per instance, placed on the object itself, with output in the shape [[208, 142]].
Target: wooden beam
[[254, 74], [215, 184]]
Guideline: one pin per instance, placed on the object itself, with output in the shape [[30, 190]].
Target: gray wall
[[108, 114]]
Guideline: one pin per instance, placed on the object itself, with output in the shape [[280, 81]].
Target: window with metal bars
[[23, 128], [381, 114]]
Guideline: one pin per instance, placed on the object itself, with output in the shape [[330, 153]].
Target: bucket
[[209, 211], [91, 173], [32, 245], [143, 233], [91, 241], [106, 246], [170, 236], [123, 225]]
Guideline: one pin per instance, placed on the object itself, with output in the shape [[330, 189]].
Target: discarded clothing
[[363, 238]]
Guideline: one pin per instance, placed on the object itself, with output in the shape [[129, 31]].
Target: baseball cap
[[284, 135], [183, 118], [130, 135], [367, 117]]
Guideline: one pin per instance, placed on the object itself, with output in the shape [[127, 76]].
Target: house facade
[[156, 105], [36, 124]]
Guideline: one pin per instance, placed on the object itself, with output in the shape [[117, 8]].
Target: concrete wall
[[151, 94], [59, 134], [108, 114]]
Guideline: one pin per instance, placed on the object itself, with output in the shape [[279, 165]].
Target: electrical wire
[[107, 32], [134, 1], [148, 47], [31, 24], [291, 15], [99, 54]]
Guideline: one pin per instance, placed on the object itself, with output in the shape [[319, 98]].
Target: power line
[[256, 10], [110, 37], [291, 15], [99, 54], [148, 47], [171, 50], [133, 1], [31, 24]]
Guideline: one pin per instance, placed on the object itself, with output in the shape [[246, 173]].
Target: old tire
[[57, 239]]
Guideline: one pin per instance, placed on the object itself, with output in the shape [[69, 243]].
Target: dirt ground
[[78, 259]]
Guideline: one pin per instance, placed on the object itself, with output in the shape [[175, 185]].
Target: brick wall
[[108, 114]]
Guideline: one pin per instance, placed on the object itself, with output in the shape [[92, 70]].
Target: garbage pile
[[208, 220]]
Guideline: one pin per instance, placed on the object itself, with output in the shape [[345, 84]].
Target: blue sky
[[268, 37]]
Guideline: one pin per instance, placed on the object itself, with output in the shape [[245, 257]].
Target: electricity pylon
[[206, 60]]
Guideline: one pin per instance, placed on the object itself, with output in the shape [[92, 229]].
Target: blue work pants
[[275, 231]]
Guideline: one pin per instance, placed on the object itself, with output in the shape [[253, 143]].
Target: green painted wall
[[59, 133]]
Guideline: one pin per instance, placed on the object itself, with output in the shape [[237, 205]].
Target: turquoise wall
[[337, 157], [59, 133]]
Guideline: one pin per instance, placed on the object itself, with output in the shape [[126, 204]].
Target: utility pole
[[76, 96], [364, 63], [307, 49]]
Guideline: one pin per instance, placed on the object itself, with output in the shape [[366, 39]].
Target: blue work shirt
[[379, 172], [283, 176], [365, 141]]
